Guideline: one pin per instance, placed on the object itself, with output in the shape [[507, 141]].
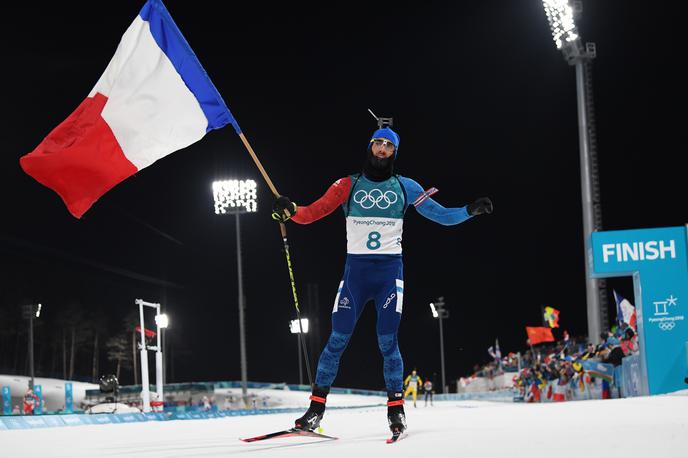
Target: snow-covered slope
[[638, 427]]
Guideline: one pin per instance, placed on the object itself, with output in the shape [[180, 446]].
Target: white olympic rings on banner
[[667, 326], [375, 198]]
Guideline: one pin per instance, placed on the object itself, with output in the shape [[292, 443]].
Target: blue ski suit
[[374, 213]]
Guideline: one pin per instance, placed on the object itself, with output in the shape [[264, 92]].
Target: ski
[[288, 433], [396, 437]]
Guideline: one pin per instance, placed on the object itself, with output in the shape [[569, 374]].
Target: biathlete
[[427, 387], [374, 203], [412, 383]]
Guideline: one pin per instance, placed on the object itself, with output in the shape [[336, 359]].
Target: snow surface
[[638, 427]]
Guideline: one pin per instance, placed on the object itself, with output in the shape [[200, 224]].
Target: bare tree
[[72, 351], [64, 353], [8, 332], [98, 324], [77, 331], [130, 321], [94, 366], [117, 351], [18, 335], [133, 357], [67, 323]]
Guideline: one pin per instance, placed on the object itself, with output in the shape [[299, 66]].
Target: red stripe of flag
[[80, 159]]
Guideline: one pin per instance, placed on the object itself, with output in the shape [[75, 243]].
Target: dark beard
[[377, 169]]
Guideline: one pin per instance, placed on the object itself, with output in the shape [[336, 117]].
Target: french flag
[[154, 98], [625, 311]]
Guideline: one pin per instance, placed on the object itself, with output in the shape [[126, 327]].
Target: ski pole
[[283, 230]]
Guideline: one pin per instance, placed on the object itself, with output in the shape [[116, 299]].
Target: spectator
[[30, 402], [427, 388], [590, 352], [615, 354], [206, 403], [629, 343], [560, 386]]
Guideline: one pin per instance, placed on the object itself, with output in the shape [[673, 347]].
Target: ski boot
[[395, 412], [311, 419]]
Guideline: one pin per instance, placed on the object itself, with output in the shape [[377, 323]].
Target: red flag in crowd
[[539, 334]]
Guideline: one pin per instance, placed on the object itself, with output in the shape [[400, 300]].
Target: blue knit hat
[[388, 134]]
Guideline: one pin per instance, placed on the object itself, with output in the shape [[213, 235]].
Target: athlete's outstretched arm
[[430, 208], [335, 196]]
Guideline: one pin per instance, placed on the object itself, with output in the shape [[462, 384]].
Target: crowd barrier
[[336, 390], [630, 376], [506, 395], [210, 386], [49, 421], [15, 422]]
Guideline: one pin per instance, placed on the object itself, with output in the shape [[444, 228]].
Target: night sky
[[484, 104]]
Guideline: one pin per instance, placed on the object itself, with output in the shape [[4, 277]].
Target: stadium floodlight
[[298, 330], [235, 196], [561, 15], [162, 320]]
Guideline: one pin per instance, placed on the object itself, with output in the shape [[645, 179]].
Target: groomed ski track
[[638, 427]]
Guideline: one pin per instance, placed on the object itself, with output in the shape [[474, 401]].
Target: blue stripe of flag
[[171, 41]]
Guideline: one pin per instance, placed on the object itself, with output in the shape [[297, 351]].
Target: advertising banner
[[657, 261], [69, 398], [38, 391], [6, 401]]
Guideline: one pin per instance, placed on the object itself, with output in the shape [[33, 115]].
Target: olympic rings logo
[[375, 198], [667, 326]]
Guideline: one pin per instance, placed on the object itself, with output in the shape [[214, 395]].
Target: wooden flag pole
[[260, 166]]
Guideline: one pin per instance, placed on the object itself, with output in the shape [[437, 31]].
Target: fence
[[51, 421]]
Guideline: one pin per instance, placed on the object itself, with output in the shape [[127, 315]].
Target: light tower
[[238, 197], [561, 15], [439, 312], [29, 312], [161, 322]]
